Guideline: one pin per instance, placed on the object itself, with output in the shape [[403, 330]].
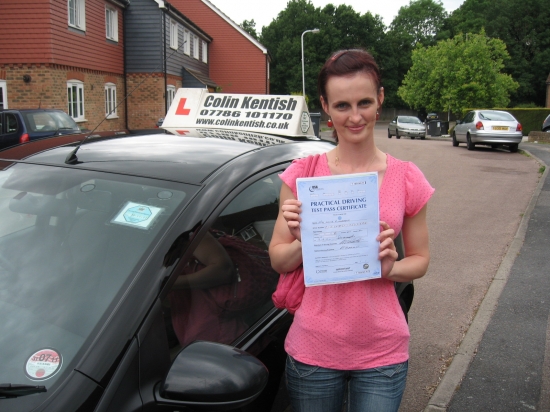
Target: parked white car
[[406, 126], [494, 128]]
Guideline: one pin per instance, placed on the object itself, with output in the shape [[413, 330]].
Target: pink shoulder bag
[[291, 285]]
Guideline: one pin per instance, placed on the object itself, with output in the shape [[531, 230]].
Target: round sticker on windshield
[[43, 364]]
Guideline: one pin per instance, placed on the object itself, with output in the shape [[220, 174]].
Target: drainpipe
[[162, 7], [124, 62]]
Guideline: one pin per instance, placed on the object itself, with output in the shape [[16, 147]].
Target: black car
[[92, 244], [134, 272], [20, 126], [432, 116], [546, 124]]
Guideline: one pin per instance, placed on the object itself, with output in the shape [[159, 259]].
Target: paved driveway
[[473, 216]]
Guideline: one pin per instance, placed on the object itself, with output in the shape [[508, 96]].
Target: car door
[[202, 300], [393, 126], [462, 129], [12, 130]]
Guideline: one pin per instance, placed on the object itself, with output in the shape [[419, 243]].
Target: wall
[[237, 64], [146, 102], [37, 31], [48, 90]]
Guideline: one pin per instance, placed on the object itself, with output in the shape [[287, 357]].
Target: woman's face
[[352, 102]]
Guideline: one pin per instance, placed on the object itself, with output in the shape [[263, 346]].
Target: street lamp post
[[303, 75]]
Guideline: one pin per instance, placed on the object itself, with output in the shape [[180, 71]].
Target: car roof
[[183, 159], [31, 110]]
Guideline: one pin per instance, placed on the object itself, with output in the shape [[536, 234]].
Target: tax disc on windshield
[[43, 364]]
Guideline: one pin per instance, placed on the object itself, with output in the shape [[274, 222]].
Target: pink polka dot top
[[358, 325]]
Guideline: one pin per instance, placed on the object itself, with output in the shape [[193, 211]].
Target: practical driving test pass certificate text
[[340, 223]]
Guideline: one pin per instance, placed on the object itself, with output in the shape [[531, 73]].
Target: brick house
[[67, 55], [239, 63], [165, 50], [86, 56]]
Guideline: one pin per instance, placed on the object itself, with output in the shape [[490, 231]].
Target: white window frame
[[170, 94], [110, 101], [111, 23], [204, 52], [173, 34], [195, 47], [4, 91], [76, 10], [75, 107], [187, 42]]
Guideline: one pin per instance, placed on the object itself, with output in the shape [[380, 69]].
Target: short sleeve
[[292, 172], [419, 190]]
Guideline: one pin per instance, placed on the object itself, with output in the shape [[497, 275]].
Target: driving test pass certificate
[[340, 223]]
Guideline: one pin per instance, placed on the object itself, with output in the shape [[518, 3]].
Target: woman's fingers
[[291, 211], [387, 233], [387, 252]]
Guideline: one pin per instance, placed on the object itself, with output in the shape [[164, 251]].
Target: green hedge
[[530, 119]]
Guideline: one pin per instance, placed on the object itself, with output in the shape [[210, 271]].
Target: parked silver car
[[406, 126], [495, 128]]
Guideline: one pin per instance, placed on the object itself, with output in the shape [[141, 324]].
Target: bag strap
[[311, 164]]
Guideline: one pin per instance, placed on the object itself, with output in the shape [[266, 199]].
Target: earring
[[329, 123], [377, 115]]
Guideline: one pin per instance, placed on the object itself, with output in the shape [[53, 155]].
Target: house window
[[75, 99], [204, 52], [77, 14], [111, 24], [110, 100], [170, 93], [3, 95], [173, 34], [195, 47], [186, 42]]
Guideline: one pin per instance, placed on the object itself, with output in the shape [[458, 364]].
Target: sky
[[264, 11]]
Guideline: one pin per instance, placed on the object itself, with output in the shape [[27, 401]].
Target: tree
[[417, 23], [340, 28], [458, 73], [420, 21], [523, 26], [250, 27]]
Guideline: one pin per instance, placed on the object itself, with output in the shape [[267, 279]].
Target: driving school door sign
[[197, 108]]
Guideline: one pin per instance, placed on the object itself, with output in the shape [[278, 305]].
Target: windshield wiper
[[9, 390]]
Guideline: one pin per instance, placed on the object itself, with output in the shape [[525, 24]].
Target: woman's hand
[[291, 209], [388, 253]]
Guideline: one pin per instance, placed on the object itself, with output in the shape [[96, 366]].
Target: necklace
[[337, 159]]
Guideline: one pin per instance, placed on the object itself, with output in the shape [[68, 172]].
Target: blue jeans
[[317, 389]]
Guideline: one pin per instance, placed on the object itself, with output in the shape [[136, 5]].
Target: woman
[[354, 331]]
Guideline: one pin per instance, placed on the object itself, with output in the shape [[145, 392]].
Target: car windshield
[[70, 243], [48, 121], [409, 119], [502, 116]]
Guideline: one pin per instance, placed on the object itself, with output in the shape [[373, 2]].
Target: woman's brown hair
[[345, 63]]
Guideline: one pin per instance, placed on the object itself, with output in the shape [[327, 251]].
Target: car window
[[503, 116], [227, 284], [410, 119], [45, 121], [11, 123], [70, 246], [469, 117]]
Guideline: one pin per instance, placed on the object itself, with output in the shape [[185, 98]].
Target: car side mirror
[[212, 376]]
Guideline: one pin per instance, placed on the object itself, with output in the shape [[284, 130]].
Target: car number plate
[[500, 127]]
